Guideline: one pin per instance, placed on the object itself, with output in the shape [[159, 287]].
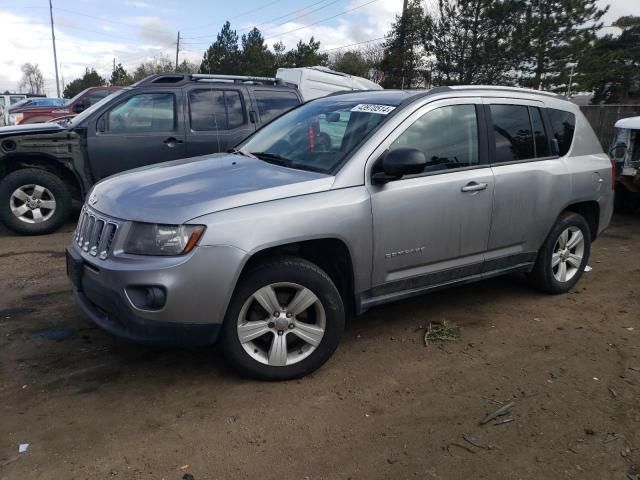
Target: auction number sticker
[[372, 108]]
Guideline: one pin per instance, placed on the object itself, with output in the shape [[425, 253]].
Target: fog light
[[155, 297], [147, 297]]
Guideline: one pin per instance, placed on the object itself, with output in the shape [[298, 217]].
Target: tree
[[403, 51], [280, 59], [256, 59], [306, 55], [159, 64], [352, 62], [89, 79], [472, 41], [223, 56], [32, 80], [187, 66], [611, 68], [556, 33], [120, 77]]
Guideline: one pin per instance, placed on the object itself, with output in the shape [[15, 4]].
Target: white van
[[315, 82], [5, 102]]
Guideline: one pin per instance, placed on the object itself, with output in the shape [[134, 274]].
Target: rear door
[[140, 129], [531, 183], [216, 119]]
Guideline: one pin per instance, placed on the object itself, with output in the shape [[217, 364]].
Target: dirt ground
[[385, 406]]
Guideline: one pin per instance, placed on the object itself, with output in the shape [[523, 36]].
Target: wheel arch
[[12, 163], [331, 254], [590, 211]]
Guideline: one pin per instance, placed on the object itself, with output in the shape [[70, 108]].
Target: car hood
[[29, 128], [181, 190]]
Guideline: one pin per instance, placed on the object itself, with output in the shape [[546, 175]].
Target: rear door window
[[563, 125], [211, 110], [512, 133], [272, 104], [539, 134]]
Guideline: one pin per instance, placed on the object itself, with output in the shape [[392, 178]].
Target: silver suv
[[342, 204]]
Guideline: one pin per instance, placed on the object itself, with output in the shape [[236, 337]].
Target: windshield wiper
[[274, 158], [244, 153]]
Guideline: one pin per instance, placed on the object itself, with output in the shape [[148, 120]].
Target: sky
[[94, 33]]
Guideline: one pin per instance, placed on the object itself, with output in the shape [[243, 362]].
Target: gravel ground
[[385, 406]]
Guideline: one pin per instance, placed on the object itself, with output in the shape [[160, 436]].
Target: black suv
[[43, 167]]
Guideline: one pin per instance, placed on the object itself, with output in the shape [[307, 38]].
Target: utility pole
[[572, 65], [114, 64], [177, 50], [55, 56], [403, 28]]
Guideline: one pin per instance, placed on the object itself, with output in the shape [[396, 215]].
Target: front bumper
[[198, 289]]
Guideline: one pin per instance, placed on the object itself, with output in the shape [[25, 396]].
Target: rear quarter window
[[272, 104], [563, 126]]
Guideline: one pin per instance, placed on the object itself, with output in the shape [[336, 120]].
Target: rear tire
[[33, 202], [563, 256], [295, 339]]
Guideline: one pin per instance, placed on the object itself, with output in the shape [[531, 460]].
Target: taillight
[[614, 174]]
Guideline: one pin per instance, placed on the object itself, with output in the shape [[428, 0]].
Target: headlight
[[154, 239]]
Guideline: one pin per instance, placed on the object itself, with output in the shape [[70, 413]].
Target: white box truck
[[314, 82]]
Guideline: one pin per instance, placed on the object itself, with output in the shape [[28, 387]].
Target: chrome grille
[[95, 233]]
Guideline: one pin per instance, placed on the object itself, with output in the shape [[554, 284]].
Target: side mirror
[[332, 117], [252, 117], [399, 162], [618, 151], [79, 107]]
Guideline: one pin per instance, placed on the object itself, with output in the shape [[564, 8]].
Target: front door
[[139, 130], [433, 228]]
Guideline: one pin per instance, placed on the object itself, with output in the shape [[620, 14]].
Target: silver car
[[342, 204]]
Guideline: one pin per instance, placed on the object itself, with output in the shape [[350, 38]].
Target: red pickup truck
[[77, 104]]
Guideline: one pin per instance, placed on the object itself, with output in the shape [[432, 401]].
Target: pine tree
[[557, 33], [120, 77], [306, 55], [223, 56], [403, 49], [256, 58], [91, 78], [472, 41], [611, 68]]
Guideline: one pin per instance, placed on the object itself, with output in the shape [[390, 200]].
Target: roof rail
[[508, 89], [235, 78]]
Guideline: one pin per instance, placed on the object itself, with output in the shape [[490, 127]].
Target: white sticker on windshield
[[372, 108]]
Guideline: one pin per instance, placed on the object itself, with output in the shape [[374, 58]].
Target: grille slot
[[95, 233]]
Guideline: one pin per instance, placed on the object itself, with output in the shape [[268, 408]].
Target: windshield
[[75, 121], [316, 136]]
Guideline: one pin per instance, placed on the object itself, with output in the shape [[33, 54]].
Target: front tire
[[563, 256], [284, 321], [33, 202]]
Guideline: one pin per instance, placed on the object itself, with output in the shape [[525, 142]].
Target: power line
[[281, 17], [236, 16], [352, 45], [323, 20]]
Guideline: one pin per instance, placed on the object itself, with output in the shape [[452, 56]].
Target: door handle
[[474, 187], [172, 141]]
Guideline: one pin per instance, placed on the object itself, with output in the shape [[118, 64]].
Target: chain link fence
[[603, 117]]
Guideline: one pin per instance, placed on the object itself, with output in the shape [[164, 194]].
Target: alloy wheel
[[281, 324], [32, 203], [568, 252]]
